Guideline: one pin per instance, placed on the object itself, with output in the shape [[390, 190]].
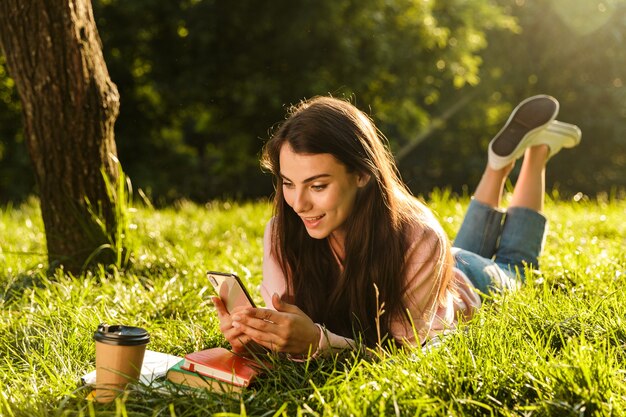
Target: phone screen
[[230, 289]]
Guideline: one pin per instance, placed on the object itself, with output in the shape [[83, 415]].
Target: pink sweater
[[460, 298]]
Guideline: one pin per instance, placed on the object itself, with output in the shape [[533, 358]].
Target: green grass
[[556, 347]]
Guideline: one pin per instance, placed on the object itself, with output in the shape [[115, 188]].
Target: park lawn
[[556, 347]]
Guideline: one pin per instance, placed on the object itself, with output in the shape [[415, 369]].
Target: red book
[[222, 364]]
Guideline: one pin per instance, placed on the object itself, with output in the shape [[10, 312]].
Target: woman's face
[[320, 190]]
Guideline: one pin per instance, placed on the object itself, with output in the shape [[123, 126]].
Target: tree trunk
[[54, 54]]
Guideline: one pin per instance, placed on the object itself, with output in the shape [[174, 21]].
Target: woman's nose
[[301, 203]]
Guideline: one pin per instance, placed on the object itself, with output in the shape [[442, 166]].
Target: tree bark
[[69, 103]]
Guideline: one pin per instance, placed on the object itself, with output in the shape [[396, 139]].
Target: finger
[[225, 326], [237, 339], [283, 306], [264, 338], [239, 345], [219, 307], [244, 322], [277, 302], [258, 313], [230, 332], [242, 340], [240, 309], [269, 345]]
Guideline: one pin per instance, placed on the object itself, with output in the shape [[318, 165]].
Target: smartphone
[[230, 289]]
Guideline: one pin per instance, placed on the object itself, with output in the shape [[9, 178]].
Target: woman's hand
[[287, 329], [237, 339]]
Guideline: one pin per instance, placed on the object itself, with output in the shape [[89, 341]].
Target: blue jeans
[[493, 247]]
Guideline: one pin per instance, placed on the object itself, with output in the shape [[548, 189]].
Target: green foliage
[[554, 348], [113, 231], [574, 51], [202, 82], [16, 177]]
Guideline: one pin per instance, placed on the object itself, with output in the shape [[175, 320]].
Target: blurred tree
[[201, 81], [16, 174], [69, 107], [573, 50]]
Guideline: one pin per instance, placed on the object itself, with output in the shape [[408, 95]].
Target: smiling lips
[[312, 221]]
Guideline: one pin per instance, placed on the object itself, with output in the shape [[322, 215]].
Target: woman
[[350, 253]]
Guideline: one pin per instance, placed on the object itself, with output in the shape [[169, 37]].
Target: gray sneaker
[[527, 119], [558, 135]]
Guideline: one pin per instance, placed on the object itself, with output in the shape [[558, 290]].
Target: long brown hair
[[376, 241]]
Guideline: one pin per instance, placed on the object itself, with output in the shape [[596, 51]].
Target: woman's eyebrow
[[310, 179]]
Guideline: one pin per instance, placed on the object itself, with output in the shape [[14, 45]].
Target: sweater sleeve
[[432, 310], [422, 288], [274, 280]]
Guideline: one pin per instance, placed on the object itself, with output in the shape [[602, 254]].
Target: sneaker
[[529, 117], [558, 135]]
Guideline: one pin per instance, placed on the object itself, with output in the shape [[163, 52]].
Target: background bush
[[203, 81]]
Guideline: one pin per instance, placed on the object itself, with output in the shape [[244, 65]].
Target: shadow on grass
[[14, 286]]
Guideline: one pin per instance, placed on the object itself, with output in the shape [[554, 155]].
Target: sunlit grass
[[23, 244], [556, 347]]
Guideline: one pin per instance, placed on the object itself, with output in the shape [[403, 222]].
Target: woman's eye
[[318, 187], [287, 185]]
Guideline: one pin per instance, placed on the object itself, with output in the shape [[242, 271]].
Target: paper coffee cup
[[119, 356]]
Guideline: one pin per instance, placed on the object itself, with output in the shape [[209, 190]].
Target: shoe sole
[[530, 115]]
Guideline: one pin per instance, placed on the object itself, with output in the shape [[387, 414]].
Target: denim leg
[[485, 274], [493, 253], [522, 239], [480, 229]]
